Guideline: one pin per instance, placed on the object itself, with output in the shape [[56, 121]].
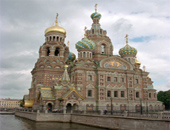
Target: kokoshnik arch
[[60, 81]]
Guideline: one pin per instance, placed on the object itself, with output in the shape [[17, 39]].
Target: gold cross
[[56, 21], [95, 7], [126, 39]]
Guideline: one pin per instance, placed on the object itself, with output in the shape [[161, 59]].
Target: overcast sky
[[23, 22]]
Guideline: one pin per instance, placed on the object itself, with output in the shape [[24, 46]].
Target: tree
[[21, 103], [164, 96]]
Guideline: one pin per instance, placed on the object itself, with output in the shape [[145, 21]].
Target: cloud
[[23, 24]]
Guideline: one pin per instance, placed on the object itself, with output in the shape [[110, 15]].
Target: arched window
[[50, 38], [89, 93], [60, 39], [48, 51], [102, 49], [92, 31], [109, 93], [57, 38], [90, 78], [84, 54], [57, 51], [100, 31], [137, 94], [53, 38]]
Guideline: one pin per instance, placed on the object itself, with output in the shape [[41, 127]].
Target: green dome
[[96, 15], [71, 56], [85, 43], [127, 50]]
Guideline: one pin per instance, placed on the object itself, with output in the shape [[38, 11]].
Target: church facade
[[96, 80]]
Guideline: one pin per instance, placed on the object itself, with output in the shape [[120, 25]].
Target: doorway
[[69, 107], [50, 107]]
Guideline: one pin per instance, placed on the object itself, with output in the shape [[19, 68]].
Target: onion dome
[[127, 50], [85, 44], [71, 56], [96, 14], [137, 62], [55, 28]]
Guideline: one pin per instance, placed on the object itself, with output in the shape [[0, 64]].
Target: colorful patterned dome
[[96, 15], [71, 56], [127, 50], [85, 43]]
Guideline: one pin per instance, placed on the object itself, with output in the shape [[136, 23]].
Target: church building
[[94, 80]]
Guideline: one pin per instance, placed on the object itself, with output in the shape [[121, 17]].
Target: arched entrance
[[49, 106], [75, 107], [68, 108]]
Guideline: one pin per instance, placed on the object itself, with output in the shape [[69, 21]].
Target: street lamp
[[147, 107], [111, 106], [141, 106]]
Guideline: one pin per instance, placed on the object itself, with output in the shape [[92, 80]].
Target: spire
[[65, 75], [126, 39], [56, 21], [85, 29], [95, 7]]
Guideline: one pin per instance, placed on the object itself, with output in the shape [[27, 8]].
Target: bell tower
[[53, 55]]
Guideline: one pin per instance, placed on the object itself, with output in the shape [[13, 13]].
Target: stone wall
[[121, 123], [45, 116], [105, 121]]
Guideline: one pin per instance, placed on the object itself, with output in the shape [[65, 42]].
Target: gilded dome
[[55, 28], [137, 62], [85, 43], [127, 50], [71, 56]]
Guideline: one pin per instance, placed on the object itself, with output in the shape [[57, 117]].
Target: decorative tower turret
[[128, 52], [103, 45], [85, 48], [53, 55]]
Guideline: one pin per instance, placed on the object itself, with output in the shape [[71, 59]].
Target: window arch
[[92, 31], [53, 38], [89, 77], [50, 38], [102, 49], [90, 55], [48, 51], [57, 51], [57, 38], [84, 54]]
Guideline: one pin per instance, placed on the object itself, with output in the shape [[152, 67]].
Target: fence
[[151, 115]]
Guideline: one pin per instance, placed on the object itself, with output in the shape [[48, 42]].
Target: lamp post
[[111, 106], [147, 107], [141, 106]]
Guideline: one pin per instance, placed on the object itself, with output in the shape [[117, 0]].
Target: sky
[[23, 22]]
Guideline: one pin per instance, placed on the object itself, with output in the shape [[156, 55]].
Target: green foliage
[[21, 103], [164, 96]]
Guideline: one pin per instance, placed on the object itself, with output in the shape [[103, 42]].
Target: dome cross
[[126, 39], [56, 21], [85, 34], [95, 7]]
